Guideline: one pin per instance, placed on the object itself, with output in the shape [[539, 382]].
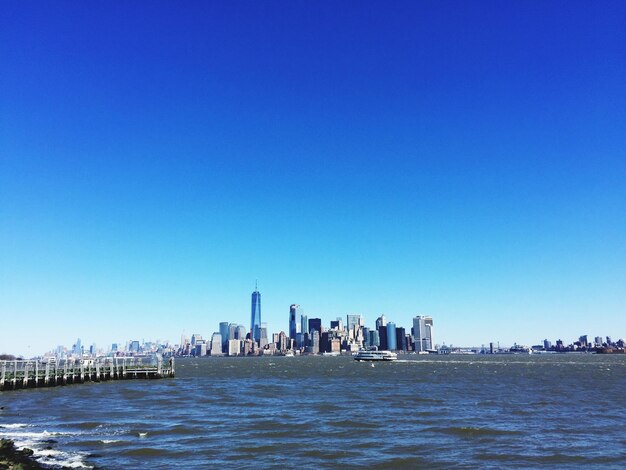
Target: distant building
[[315, 324], [294, 313], [262, 341], [401, 339], [194, 338], [374, 338], [234, 347], [200, 348], [354, 320], [281, 344], [216, 344], [381, 321], [241, 332], [304, 324], [315, 342], [547, 344], [382, 337], [423, 333], [224, 331], [391, 336], [255, 317]]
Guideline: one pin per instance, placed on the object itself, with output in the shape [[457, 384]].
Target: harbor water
[[522, 411]]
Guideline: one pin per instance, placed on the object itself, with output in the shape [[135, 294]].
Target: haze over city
[[434, 158]]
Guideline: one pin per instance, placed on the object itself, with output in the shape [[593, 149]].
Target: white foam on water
[[36, 441], [15, 426]]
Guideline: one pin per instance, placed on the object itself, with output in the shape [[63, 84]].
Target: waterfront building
[[77, 349], [547, 344], [382, 337], [423, 333], [304, 324], [374, 338], [325, 341], [200, 348], [381, 321], [400, 339], [391, 336], [255, 317], [224, 330], [216, 344], [315, 324], [262, 341], [234, 347], [315, 342], [294, 313], [241, 332], [366, 337], [299, 340], [354, 320], [195, 337], [282, 343]]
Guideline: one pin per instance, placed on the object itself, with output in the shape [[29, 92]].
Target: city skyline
[[463, 160]]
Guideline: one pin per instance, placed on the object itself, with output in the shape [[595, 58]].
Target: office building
[[391, 336], [381, 321], [401, 344], [216, 344], [304, 324], [224, 331], [315, 324], [255, 317], [294, 314], [374, 339], [354, 320], [234, 347], [423, 333], [382, 338]]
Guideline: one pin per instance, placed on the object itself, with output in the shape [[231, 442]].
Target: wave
[[470, 431], [15, 426]]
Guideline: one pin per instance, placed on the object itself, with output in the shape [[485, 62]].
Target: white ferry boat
[[364, 355]]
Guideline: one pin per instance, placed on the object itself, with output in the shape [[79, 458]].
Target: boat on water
[[364, 355]]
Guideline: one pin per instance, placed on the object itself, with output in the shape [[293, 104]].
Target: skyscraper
[[293, 314], [315, 324], [304, 324], [255, 317], [224, 331], [391, 336], [423, 333]]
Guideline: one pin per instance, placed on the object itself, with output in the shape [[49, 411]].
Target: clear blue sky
[[460, 159]]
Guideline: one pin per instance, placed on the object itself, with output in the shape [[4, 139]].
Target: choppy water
[[310, 412]]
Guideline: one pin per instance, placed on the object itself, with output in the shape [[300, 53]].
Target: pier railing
[[39, 373]]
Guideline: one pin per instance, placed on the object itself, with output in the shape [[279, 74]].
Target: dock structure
[[19, 374]]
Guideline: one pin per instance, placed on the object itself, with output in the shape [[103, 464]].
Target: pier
[[20, 374]]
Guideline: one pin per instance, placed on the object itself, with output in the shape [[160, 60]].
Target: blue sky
[[460, 159]]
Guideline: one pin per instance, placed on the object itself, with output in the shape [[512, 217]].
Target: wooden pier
[[38, 373]]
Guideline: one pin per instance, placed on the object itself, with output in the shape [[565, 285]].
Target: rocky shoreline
[[12, 458]]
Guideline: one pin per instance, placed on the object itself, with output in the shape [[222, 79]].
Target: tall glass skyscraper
[[255, 317], [423, 333], [293, 314], [391, 336]]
